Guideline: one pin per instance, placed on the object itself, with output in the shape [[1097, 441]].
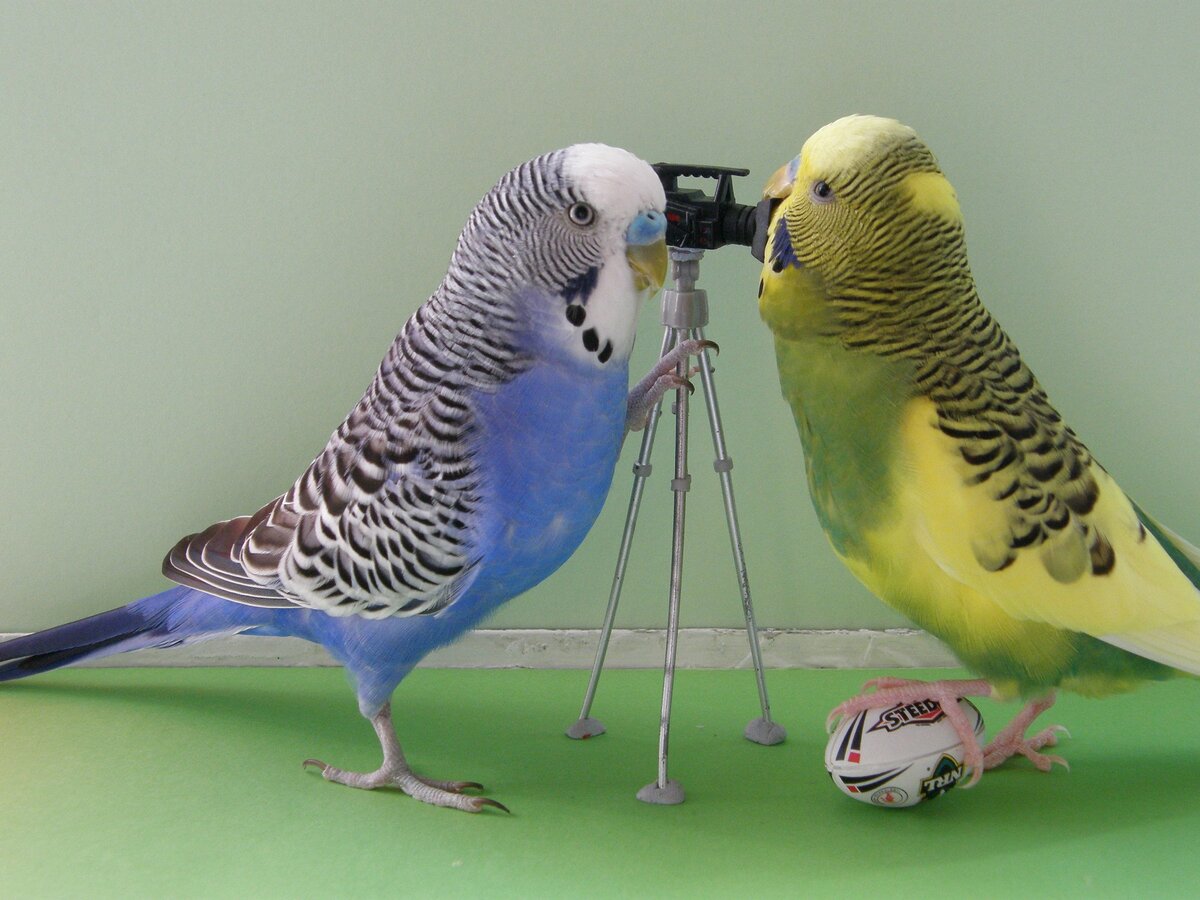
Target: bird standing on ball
[[941, 473]]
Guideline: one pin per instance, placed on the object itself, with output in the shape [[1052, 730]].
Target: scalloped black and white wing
[[380, 523]]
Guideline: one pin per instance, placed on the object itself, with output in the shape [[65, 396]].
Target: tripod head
[[697, 221]]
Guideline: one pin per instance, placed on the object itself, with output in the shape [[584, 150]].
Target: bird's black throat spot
[[576, 314], [591, 340], [606, 353]]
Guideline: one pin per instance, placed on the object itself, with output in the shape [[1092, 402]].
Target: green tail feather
[[1181, 552]]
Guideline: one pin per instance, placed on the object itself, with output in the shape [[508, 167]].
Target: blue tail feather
[[150, 622]]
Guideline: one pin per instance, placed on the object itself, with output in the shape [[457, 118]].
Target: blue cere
[[647, 228]]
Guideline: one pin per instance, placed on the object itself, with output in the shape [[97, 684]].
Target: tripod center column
[[684, 307]]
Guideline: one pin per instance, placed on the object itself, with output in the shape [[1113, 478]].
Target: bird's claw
[[1009, 743], [672, 381], [663, 377], [488, 801], [399, 776]]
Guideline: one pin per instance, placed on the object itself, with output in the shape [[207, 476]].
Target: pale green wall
[[214, 217]]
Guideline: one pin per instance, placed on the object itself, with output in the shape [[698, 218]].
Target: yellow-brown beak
[[649, 264], [779, 186]]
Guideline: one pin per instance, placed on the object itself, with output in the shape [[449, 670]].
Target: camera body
[[697, 221]]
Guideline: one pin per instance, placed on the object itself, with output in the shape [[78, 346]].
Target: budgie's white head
[[574, 240]]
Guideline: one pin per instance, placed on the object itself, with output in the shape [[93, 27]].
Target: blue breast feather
[[547, 443]]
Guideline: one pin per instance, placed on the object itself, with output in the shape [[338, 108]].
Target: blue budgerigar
[[471, 469]]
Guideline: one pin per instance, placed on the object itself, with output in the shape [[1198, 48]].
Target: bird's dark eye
[[581, 214], [822, 192]]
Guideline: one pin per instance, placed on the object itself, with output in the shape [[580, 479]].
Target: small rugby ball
[[898, 755]]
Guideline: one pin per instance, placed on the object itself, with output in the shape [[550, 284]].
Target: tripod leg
[[585, 726], [663, 790], [761, 730]]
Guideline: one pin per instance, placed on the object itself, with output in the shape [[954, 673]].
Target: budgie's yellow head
[[866, 228]]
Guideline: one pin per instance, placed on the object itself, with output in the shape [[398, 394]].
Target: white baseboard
[[575, 648]]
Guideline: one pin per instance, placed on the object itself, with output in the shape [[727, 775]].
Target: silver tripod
[[684, 316]]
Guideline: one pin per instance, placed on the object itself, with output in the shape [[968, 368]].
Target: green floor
[[187, 783]]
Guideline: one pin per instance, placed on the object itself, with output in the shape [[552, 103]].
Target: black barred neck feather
[[516, 235], [464, 337], [914, 309]]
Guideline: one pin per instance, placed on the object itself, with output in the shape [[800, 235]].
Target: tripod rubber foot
[[765, 732], [670, 794], [582, 729]]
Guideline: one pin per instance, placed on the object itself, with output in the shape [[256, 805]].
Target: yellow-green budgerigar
[[941, 473]]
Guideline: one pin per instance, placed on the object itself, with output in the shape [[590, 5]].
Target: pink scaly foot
[[890, 691], [663, 377], [394, 772], [1012, 740]]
